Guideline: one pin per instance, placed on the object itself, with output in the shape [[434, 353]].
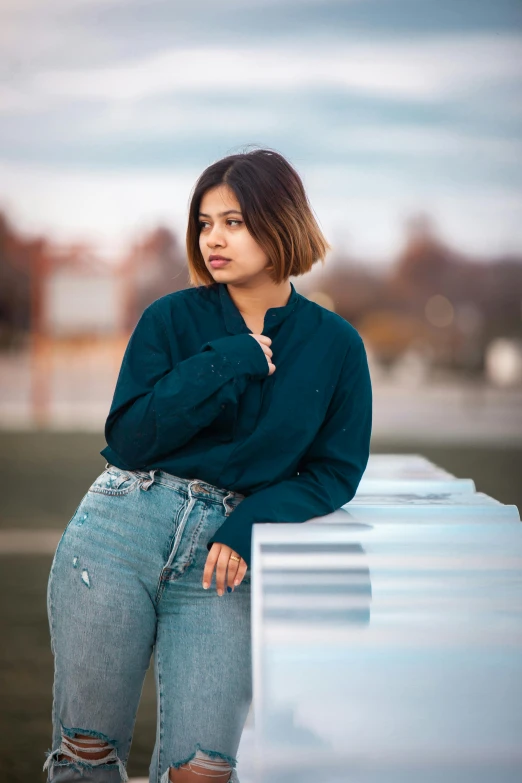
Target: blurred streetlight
[[439, 311], [504, 361]]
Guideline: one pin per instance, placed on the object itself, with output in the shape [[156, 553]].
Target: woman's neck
[[253, 303]]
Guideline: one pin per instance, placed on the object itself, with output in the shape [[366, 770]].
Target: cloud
[[34, 43], [423, 141], [431, 70], [182, 118], [17, 8]]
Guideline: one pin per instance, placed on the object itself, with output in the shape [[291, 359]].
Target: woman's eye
[[203, 223]]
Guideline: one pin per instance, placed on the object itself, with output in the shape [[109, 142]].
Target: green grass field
[[44, 477]]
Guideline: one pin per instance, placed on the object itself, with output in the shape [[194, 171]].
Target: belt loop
[[189, 487], [146, 483], [229, 495]]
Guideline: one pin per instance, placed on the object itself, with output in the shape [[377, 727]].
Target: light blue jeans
[[126, 582]]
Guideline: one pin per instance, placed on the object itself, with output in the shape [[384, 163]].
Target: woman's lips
[[219, 262]]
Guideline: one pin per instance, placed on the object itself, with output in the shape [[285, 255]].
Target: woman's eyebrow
[[222, 214]]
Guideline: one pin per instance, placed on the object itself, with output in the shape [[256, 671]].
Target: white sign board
[[79, 302]]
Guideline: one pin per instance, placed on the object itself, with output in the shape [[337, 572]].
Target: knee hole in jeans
[[202, 768], [85, 751], [83, 746]]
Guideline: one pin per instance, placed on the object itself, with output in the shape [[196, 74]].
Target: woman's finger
[[241, 571], [212, 558], [221, 568], [233, 569]]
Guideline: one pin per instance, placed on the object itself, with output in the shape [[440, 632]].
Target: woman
[[238, 401]]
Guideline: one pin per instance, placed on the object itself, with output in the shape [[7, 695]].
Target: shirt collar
[[235, 322]]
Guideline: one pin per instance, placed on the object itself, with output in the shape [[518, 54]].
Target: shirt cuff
[[242, 352]]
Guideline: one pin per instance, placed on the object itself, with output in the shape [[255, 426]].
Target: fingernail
[[229, 589], [236, 582], [205, 585], [220, 592]]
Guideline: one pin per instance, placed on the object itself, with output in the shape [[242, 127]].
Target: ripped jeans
[[126, 582]]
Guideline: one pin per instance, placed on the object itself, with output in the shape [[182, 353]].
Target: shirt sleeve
[[161, 401], [330, 471]]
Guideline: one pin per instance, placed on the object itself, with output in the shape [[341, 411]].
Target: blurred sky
[[110, 109]]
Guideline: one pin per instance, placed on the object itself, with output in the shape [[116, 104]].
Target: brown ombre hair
[[275, 209]]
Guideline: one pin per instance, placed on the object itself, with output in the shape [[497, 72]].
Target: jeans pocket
[[115, 481]]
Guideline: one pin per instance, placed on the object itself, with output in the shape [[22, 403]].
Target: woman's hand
[[265, 343], [219, 556]]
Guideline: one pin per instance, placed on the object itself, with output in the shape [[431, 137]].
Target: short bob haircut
[[275, 209]]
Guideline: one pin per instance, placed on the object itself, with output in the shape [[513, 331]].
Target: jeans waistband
[[195, 487]]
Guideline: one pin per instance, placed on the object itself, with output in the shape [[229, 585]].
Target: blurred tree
[[425, 267], [354, 288], [17, 257], [157, 266]]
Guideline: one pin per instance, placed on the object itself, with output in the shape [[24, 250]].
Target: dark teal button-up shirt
[[194, 398]]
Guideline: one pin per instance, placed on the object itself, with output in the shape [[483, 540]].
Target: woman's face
[[223, 232]]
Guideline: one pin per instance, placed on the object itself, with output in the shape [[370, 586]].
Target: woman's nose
[[214, 236]]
